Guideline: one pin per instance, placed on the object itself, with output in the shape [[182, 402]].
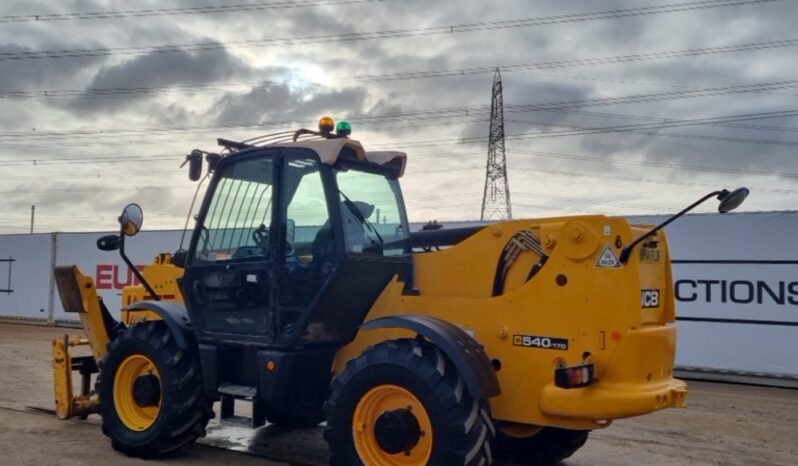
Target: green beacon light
[[344, 129]]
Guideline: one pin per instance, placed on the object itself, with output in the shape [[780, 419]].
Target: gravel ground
[[725, 425]]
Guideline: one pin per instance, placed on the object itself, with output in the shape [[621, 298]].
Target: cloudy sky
[[618, 107]]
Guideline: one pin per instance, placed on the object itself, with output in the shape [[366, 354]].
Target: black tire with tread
[[185, 409], [462, 427], [548, 447]]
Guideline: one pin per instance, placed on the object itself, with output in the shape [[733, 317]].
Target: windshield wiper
[[359, 215]]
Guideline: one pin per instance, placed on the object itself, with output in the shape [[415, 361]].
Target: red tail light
[[575, 376]]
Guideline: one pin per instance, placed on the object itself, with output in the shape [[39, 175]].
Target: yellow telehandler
[[304, 291]]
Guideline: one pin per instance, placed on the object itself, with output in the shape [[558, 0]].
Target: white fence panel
[[25, 262], [736, 280]]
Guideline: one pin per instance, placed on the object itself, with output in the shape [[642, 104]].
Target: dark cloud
[[317, 80], [158, 70], [25, 75], [281, 103]]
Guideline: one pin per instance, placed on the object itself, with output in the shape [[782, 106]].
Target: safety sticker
[[607, 258]]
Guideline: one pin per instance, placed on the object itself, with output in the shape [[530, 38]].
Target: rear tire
[[548, 447], [170, 412], [420, 389]]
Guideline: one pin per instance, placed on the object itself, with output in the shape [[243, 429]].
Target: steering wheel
[[261, 238]]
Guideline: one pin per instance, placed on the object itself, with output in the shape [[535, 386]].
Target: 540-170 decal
[[534, 341]]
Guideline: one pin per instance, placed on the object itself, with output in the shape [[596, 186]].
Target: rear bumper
[[637, 379], [606, 401]]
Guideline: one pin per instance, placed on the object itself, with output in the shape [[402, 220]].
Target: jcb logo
[[650, 298]]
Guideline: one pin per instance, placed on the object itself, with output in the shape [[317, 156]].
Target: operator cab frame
[[275, 259]]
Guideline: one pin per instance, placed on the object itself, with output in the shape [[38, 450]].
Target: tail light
[[575, 376]]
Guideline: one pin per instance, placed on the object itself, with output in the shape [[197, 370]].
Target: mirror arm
[[133, 268], [627, 251]]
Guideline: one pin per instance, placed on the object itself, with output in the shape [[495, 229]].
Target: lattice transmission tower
[[496, 199]]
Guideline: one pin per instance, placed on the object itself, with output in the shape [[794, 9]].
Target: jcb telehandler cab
[[301, 292]]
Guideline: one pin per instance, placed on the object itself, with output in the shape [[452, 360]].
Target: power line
[[558, 155], [648, 130], [42, 161], [661, 96], [385, 34], [538, 171], [441, 112], [745, 47], [651, 163], [626, 116], [114, 14], [627, 128], [573, 174], [671, 123], [132, 91]]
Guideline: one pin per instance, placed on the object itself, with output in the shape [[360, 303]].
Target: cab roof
[[330, 149]]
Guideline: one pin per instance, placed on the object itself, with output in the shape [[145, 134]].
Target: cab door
[[311, 241], [229, 281]]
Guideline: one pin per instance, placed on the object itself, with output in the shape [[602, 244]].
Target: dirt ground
[[724, 425]]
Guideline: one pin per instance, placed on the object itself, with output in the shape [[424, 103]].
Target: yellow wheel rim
[[134, 416], [375, 403], [519, 430]]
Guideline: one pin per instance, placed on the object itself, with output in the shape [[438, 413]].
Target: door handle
[[200, 292]]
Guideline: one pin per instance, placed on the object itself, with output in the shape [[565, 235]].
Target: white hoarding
[[25, 276], [736, 288], [107, 267], [736, 283]]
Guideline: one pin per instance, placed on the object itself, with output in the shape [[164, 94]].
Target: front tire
[[152, 398], [548, 446], [402, 403]]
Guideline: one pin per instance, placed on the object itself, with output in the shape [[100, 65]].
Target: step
[[238, 391]]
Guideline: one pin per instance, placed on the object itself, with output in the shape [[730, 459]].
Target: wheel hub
[[137, 392], [391, 427], [147, 390], [397, 431]]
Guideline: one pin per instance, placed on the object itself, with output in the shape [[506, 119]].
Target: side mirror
[[131, 219], [194, 160], [109, 243], [731, 200]]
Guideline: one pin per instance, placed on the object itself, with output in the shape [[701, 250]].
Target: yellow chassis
[[597, 310]]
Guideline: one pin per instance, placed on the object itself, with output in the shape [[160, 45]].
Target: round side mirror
[[732, 200], [131, 219]]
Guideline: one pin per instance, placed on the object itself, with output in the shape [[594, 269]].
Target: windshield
[[238, 219], [372, 213]]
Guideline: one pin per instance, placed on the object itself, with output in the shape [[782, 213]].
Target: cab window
[[372, 215], [239, 217]]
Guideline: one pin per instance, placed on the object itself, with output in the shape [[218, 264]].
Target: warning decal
[[607, 258]]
